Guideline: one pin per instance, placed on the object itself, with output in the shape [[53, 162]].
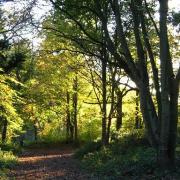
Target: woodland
[[91, 88]]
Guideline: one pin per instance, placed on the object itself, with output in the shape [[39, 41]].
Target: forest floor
[[48, 164]]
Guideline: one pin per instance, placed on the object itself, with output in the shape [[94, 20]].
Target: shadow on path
[[47, 164]]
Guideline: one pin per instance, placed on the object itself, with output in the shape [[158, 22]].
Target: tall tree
[[133, 21]]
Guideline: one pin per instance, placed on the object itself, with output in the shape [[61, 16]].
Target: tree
[[133, 20], [57, 89], [10, 60]]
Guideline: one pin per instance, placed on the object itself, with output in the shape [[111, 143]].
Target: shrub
[[106, 162], [7, 159], [15, 148], [88, 148], [129, 155]]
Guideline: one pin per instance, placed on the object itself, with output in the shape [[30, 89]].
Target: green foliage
[[11, 147], [175, 19], [133, 162], [89, 147], [90, 126], [13, 56], [53, 132], [130, 156], [8, 99], [7, 159]]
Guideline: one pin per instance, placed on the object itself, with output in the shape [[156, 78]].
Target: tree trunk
[[147, 105], [69, 123], [75, 102], [104, 110], [71, 132], [4, 130], [35, 132], [149, 116], [119, 111], [137, 118], [165, 160], [174, 120], [68, 117], [112, 108]]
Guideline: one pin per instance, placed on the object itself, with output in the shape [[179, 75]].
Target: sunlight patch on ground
[[43, 157]]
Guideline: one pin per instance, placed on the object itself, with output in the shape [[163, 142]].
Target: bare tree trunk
[[137, 117], [4, 130], [35, 132], [68, 117], [112, 108], [165, 160], [75, 102], [104, 111], [71, 132], [119, 111], [147, 106], [173, 121], [149, 116]]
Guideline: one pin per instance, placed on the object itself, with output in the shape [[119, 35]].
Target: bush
[[16, 149], [7, 159], [88, 148], [133, 162], [95, 160], [129, 155], [3, 175]]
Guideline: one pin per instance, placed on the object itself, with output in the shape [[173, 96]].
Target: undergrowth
[[128, 157], [8, 158], [41, 143]]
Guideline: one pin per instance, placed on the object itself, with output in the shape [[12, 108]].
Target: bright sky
[[174, 4], [43, 8]]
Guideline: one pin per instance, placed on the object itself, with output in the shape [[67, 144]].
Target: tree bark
[[68, 117], [149, 116], [165, 160], [112, 108], [152, 60], [174, 120], [137, 117], [147, 106], [104, 110], [119, 111], [4, 130], [35, 132], [75, 103]]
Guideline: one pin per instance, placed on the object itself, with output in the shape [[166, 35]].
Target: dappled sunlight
[[43, 157]]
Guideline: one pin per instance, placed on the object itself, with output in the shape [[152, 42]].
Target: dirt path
[[48, 164]]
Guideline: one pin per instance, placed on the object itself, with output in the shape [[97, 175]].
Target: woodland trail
[[48, 164]]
